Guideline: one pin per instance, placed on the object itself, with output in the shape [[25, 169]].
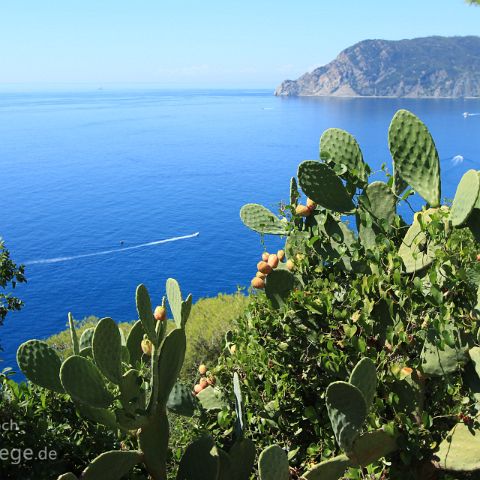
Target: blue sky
[[203, 44]]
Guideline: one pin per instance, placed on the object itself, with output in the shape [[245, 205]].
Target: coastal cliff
[[422, 67]]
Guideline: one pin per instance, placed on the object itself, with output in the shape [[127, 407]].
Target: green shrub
[[403, 296]]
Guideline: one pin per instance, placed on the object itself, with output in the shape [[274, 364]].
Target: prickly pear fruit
[[265, 256], [260, 275], [264, 267], [311, 204], [233, 349], [147, 346], [273, 260], [202, 369], [290, 265], [160, 313], [281, 255], [258, 283], [303, 210], [197, 388], [478, 257], [203, 383]]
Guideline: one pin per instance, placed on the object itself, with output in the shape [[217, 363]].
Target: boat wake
[[108, 252]]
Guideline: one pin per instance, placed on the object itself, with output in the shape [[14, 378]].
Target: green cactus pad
[[86, 338], [83, 381], [320, 183], [40, 364], [73, 335], [278, 286], [415, 155], [379, 200], [181, 400], [364, 377], [67, 476], [416, 251], [465, 198], [145, 313], [473, 223], [200, 461], [174, 296], [372, 446], [225, 470], [458, 452], [132, 395], [340, 147], [474, 354], [112, 465], [273, 464], [440, 362], [261, 219], [134, 341], [347, 411], [86, 352], [242, 458], [153, 442], [99, 415], [331, 469], [186, 309], [211, 398], [240, 421], [107, 349], [170, 363], [294, 195]]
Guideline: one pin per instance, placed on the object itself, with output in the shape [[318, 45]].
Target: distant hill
[[421, 67]]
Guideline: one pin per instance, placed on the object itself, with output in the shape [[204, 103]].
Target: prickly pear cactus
[[415, 156], [465, 198], [458, 452], [273, 464], [261, 220]]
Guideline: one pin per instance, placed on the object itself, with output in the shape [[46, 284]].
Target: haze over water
[[93, 182]]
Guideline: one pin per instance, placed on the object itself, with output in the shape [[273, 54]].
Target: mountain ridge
[[427, 67]]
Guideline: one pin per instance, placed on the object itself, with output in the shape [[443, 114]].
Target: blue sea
[[87, 175]]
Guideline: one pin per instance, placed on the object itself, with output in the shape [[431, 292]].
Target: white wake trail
[[107, 252]]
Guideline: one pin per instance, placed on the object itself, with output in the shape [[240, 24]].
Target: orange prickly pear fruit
[[260, 275], [147, 346], [197, 388], [160, 313], [311, 204], [265, 256], [303, 211], [281, 255], [202, 369], [258, 283], [273, 260], [233, 349], [203, 383], [264, 267], [478, 257], [290, 265]]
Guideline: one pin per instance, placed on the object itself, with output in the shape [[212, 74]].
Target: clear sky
[[213, 43]]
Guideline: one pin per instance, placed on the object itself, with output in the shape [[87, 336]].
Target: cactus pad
[[86, 338], [242, 458], [200, 461], [415, 156], [73, 335], [294, 195], [174, 296], [99, 415], [331, 469], [134, 341], [211, 398], [40, 364], [145, 313], [261, 219], [170, 363], [320, 183], [458, 452], [273, 464], [474, 354], [132, 396], [340, 147], [379, 200], [372, 446], [278, 286], [181, 400], [347, 411], [84, 382], [465, 198], [186, 309], [364, 377], [112, 465], [67, 476], [107, 349]]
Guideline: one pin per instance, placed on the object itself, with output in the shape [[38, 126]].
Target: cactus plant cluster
[[371, 279]]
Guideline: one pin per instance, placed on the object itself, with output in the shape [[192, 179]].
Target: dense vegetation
[[361, 360]]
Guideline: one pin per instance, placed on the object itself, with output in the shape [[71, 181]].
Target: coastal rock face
[[422, 67]]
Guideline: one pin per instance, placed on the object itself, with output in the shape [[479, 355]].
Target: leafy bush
[[404, 296]]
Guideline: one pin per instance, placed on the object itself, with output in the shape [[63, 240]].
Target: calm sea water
[[83, 172]]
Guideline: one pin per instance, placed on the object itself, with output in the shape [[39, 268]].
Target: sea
[[104, 189]]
